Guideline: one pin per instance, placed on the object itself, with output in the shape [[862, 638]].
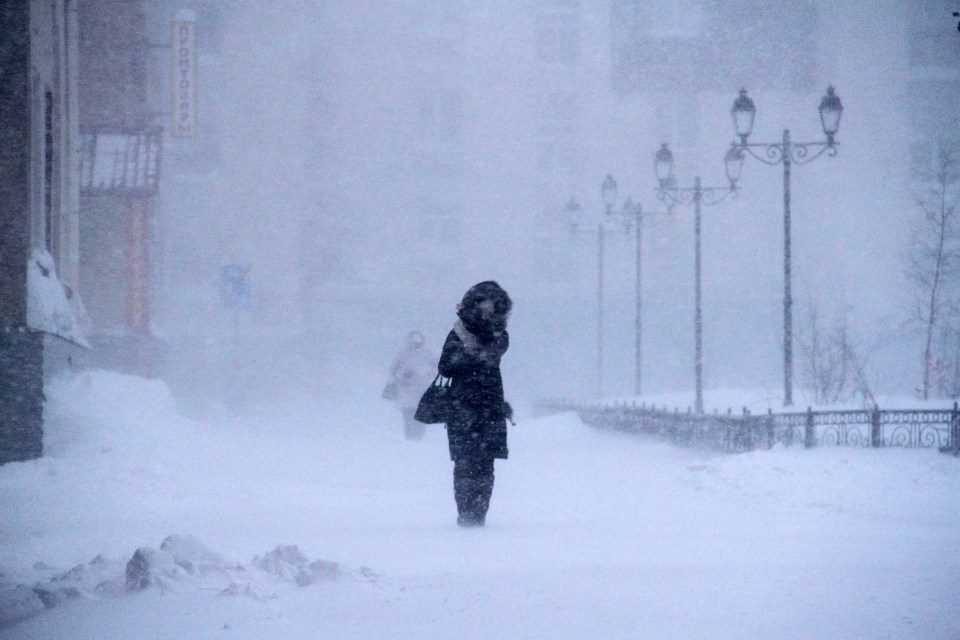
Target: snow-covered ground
[[590, 534]]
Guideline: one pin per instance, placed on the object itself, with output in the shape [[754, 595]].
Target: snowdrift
[[590, 534]]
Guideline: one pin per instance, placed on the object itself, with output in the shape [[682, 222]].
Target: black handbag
[[436, 403]]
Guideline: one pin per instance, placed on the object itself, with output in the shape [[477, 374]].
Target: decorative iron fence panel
[[732, 432]]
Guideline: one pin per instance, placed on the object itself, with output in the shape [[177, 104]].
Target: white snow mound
[[182, 564]]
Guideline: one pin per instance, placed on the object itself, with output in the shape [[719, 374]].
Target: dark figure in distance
[[477, 424]]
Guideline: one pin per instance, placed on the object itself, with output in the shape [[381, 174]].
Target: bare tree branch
[[934, 262]]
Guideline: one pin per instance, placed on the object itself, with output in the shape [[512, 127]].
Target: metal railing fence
[[732, 432]]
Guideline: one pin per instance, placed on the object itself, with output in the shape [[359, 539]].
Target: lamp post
[[787, 153], [574, 215], [669, 192], [631, 217], [608, 193]]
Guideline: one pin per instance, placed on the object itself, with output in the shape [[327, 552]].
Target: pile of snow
[[52, 307], [182, 564]]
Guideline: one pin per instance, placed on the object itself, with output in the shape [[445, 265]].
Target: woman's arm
[[457, 361]]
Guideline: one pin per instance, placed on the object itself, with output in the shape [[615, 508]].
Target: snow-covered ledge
[[51, 306]]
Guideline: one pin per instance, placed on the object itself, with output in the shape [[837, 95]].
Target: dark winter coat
[[477, 426]]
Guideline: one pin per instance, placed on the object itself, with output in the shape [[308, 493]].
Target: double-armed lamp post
[[629, 215], [574, 214], [631, 218], [698, 195], [787, 153]]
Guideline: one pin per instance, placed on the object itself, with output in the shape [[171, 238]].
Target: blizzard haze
[[375, 159], [371, 160]]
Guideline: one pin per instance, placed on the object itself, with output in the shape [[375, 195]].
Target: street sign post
[[235, 290], [236, 294]]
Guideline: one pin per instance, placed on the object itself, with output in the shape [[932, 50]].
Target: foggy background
[[370, 161]]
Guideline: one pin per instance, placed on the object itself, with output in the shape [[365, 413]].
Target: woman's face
[[486, 309], [483, 317]]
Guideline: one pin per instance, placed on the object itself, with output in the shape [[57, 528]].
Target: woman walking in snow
[[477, 424], [410, 374]]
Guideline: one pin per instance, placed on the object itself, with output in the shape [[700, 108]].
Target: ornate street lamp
[[573, 212], [787, 153], [631, 217], [608, 192], [574, 215], [743, 112], [663, 164], [733, 163], [669, 192], [830, 111]]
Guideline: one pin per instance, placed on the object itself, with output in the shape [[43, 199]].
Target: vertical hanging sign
[[184, 75]]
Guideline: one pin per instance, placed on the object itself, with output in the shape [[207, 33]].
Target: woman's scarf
[[470, 341]]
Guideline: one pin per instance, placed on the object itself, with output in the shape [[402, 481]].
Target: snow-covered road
[[590, 534]]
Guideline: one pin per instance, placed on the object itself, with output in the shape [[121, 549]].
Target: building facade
[[120, 156], [40, 309]]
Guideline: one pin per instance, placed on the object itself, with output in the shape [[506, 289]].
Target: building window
[[120, 164]]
